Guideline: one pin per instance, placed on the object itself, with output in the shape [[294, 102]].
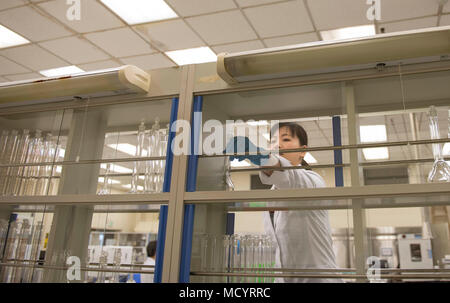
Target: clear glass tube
[[117, 261], [34, 251], [103, 263], [17, 172], [440, 171], [226, 258], [3, 157], [24, 236], [11, 244], [105, 189], [138, 164], [204, 248], [3, 232], [9, 158], [148, 179]]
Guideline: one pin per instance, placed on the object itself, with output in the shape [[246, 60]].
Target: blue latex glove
[[243, 145]]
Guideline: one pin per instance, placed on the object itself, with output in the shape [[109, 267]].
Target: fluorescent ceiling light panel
[[140, 11], [111, 181], [349, 32], [446, 149], [376, 153], [237, 163], [192, 55], [124, 148], [117, 168], [9, 38], [310, 159], [373, 133], [129, 187], [61, 71]]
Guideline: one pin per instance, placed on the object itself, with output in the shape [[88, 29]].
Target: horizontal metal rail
[[321, 276], [98, 161]]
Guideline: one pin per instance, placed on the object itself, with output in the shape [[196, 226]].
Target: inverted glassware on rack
[[21, 149], [440, 171], [237, 254]]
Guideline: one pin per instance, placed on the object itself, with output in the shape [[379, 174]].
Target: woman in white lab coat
[[303, 237], [151, 255]]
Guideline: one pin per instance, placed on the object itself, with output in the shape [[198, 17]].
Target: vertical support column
[[359, 213], [166, 188], [72, 224], [338, 171], [175, 216], [191, 186]]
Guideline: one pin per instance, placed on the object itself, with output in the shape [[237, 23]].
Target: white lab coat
[[148, 278], [303, 237]]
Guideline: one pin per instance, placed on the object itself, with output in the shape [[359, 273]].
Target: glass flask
[[138, 154], [440, 172]]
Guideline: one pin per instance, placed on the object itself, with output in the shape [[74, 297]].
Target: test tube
[[103, 263], [34, 254], [105, 190], [20, 251], [3, 158], [148, 181], [226, 247], [9, 158], [204, 248], [139, 152], [117, 262], [3, 232], [11, 245]]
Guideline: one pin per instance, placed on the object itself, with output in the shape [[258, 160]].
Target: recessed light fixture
[[374, 133], [9, 38], [376, 153], [61, 71], [349, 32], [446, 149], [117, 168], [310, 159], [141, 11], [237, 163], [192, 55]]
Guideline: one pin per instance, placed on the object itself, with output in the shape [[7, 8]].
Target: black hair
[[298, 131], [151, 249]]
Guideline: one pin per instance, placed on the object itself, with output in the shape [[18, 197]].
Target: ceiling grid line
[[250, 24]]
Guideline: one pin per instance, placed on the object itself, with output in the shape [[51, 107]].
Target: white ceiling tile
[[246, 3], [403, 9], [32, 25], [9, 67], [99, 65], [409, 25], [149, 62], [197, 7], [33, 57], [170, 35], [26, 76], [75, 50], [291, 40], [332, 14], [93, 16], [445, 20], [280, 19], [238, 47], [221, 28], [122, 42], [5, 4], [3, 80]]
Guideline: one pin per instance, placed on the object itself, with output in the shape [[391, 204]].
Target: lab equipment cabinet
[[377, 135]]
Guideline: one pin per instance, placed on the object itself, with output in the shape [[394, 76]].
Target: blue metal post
[[161, 239], [191, 186], [338, 171]]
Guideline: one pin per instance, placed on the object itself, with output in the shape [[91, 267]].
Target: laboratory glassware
[[3, 232], [117, 261], [3, 159], [34, 251], [20, 250], [19, 182], [11, 244], [105, 189], [440, 171], [139, 152], [103, 263], [9, 157]]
